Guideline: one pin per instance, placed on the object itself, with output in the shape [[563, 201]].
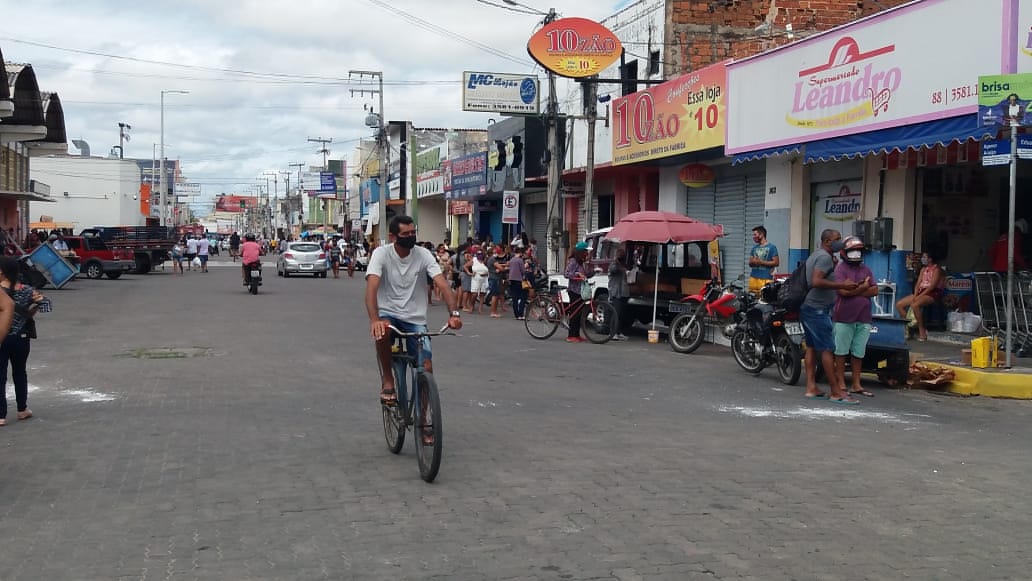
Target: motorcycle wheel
[[789, 360], [743, 346], [686, 333]]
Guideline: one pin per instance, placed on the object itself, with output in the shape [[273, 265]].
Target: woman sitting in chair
[[929, 288]]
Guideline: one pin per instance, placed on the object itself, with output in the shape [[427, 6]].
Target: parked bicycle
[[421, 412], [547, 312]]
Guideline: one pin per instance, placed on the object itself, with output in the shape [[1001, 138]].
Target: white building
[[90, 191]]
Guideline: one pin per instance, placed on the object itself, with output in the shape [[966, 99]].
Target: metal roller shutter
[[700, 203], [728, 210], [582, 228], [755, 202], [538, 229]]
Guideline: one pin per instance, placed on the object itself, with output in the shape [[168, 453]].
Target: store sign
[[429, 177], [1023, 50], [1005, 100], [837, 204], [678, 116], [574, 47], [459, 207], [511, 207], [696, 175], [185, 189], [500, 93], [465, 177], [873, 74]]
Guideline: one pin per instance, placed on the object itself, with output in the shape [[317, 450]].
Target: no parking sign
[[511, 207]]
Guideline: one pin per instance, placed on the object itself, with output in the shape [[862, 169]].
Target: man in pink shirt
[[250, 253]]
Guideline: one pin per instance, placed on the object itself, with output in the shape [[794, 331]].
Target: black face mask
[[408, 242]]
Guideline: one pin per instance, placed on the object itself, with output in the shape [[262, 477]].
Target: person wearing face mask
[[815, 314], [396, 291], [931, 283], [852, 313]]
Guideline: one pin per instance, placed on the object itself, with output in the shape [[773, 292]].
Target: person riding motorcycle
[[250, 255]]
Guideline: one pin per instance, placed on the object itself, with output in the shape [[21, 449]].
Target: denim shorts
[[851, 339], [820, 333], [410, 342]]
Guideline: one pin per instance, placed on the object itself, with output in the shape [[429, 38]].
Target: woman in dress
[[479, 284], [15, 347], [931, 282]]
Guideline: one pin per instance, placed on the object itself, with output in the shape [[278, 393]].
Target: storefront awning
[[928, 134], [765, 153]]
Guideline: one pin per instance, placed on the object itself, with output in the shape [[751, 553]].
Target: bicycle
[[423, 412], [547, 311]]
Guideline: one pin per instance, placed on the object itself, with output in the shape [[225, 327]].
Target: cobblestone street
[[248, 445]]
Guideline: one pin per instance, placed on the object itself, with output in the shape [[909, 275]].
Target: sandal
[[818, 395], [428, 437], [25, 415], [844, 400], [3, 422], [862, 392], [388, 396]]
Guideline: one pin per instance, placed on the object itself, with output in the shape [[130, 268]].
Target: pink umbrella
[[661, 228]]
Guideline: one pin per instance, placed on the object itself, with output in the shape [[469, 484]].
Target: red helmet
[[852, 249]]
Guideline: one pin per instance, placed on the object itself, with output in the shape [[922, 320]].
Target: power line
[[509, 8], [431, 27]]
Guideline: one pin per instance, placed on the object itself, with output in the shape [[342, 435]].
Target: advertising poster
[[679, 116], [837, 206], [1005, 100], [511, 207], [500, 93], [574, 47]]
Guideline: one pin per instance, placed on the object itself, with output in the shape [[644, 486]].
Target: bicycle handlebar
[[444, 331]]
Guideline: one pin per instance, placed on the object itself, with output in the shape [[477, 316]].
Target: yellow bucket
[[653, 336], [983, 352]]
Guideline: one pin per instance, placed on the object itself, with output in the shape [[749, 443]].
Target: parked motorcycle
[[714, 304], [254, 277], [767, 334]]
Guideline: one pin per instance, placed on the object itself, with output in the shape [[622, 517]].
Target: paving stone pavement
[[263, 457]]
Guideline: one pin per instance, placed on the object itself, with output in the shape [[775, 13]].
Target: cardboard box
[[691, 286], [965, 357]]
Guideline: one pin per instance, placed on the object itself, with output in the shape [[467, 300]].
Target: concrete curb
[[1005, 384]]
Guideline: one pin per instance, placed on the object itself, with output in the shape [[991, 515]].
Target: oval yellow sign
[[574, 47], [696, 175]]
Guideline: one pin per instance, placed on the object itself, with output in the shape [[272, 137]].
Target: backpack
[[793, 291]]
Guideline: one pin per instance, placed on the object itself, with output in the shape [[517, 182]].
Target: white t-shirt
[[202, 247], [191, 246], [402, 291]]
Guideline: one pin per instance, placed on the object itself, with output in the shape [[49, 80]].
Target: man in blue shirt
[[763, 259]]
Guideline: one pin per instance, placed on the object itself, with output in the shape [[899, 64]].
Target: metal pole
[[385, 189], [554, 212], [161, 177], [589, 170], [410, 158], [1010, 239]]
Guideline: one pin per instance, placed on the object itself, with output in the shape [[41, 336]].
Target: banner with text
[[1005, 100], [679, 116]]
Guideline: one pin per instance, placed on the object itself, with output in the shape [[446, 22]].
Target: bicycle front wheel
[[598, 321], [428, 432], [542, 317]]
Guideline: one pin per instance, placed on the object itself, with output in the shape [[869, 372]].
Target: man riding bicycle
[[396, 294], [250, 254], [234, 246]]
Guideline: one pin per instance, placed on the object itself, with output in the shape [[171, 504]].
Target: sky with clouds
[[263, 75]]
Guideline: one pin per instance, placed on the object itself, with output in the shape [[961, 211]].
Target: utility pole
[[300, 213], [591, 110], [286, 194], [377, 120], [554, 213], [123, 136], [324, 151]]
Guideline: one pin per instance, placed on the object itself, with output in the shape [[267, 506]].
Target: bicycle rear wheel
[[598, 321], [428, 433], [542, 317]]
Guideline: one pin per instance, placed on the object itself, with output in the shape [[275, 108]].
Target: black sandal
[[388, 396]]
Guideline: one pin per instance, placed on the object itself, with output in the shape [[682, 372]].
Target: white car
[[601, 253]]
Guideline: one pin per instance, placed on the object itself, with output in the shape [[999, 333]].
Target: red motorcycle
[[714, 304]]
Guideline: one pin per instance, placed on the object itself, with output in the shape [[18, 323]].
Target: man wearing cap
[[577, 274], [998, 251]]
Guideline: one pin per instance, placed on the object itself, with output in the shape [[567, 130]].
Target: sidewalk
[[944, 349]]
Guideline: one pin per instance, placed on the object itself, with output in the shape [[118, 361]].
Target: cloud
[[233, 126]]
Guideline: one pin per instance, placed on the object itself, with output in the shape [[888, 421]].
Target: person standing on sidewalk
[[495, 266], [577, 274], [852, 314], [815, 314], [619, 291], [763, 259], [191, 251], [24, 301], [517, 274]]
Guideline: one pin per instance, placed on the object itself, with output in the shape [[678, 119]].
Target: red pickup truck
[[97, 259]]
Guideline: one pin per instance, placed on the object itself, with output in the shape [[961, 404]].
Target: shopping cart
[[991, 292]]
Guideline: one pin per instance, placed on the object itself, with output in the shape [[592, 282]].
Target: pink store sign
[[892, 69]]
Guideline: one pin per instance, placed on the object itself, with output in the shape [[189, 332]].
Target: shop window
[[653, 63], [605, 211], [629, 76]]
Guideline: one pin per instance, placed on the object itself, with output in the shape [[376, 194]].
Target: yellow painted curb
[[1009, 384]]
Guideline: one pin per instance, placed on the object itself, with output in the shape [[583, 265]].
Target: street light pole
[[163, 193], [383, 143]]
